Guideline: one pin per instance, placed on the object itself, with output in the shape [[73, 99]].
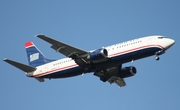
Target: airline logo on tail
[[34, 57]]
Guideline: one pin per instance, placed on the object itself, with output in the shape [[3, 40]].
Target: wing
[[78, 55], [111, 75], [63, 48]]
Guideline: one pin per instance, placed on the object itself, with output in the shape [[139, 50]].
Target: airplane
[[105, 63]]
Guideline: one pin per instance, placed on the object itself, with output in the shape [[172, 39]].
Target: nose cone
[[170, 42]]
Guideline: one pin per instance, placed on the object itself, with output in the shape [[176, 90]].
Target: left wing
[[63, 48], [78, 55]]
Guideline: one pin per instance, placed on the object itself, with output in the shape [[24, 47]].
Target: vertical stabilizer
[[35, 57]]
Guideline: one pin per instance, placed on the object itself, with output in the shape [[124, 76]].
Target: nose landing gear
[[157, 58], [159, 53]]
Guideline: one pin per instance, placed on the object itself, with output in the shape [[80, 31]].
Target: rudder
[[35, 56]]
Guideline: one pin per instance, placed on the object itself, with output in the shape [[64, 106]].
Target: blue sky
[[89, 25]]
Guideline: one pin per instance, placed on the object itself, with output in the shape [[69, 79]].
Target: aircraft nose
[[171, 42]]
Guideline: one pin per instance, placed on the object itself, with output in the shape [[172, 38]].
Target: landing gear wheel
[[157, 58]]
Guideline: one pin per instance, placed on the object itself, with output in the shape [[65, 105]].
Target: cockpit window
[[161, 37]]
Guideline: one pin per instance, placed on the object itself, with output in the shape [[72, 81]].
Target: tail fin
[[35, 57]]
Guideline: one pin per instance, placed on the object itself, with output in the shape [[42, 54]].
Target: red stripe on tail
[[29, 44]]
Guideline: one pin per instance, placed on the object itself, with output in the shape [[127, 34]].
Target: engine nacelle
[[98, 55], [127, 72]]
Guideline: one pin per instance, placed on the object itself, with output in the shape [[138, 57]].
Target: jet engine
[[98, 55], [127, 72]]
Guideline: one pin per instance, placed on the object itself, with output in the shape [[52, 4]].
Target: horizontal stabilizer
[[21, 66]]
